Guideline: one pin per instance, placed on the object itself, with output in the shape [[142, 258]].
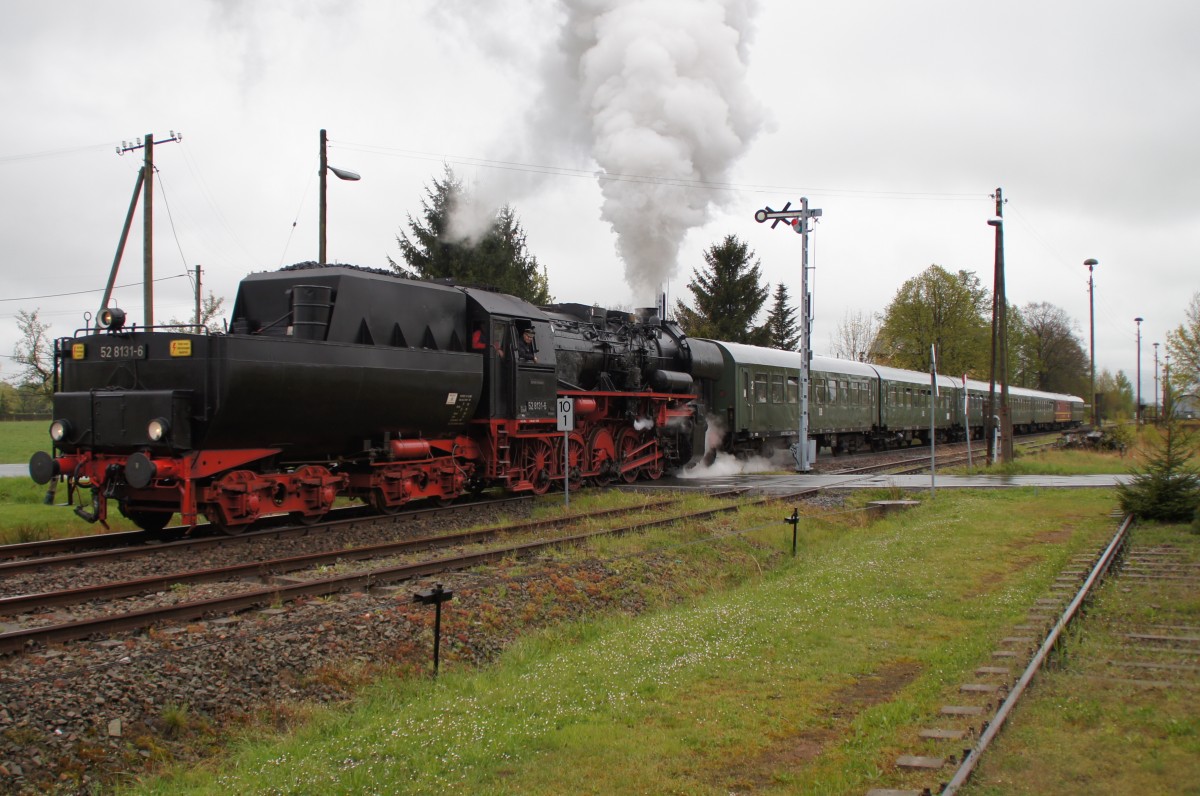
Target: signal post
[[798, 219]]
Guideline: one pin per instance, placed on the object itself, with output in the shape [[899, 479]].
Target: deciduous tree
[[210, 314], [1049, 356], [34, 353], [1183, 344], [936, 307]]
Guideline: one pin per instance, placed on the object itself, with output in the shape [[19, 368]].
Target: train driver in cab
[[526, 351]]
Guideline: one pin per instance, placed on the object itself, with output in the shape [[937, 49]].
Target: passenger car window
[[760, 388]]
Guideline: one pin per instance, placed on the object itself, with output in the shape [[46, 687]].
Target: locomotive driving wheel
[[576, 459], [602, 456], [537, 464], [627, 443]]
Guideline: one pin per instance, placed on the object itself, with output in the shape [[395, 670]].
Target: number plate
[[123, 351]]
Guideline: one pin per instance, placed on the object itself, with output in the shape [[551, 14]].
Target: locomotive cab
[[519, 370]]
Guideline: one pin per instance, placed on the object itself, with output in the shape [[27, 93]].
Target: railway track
[[277, 589], [948, 455], [1073, 589], [28, 556]]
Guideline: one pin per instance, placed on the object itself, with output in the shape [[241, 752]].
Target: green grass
[[24, 517], [19, 439], [806, 675]]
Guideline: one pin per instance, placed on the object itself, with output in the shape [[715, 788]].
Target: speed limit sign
[[566, 414]]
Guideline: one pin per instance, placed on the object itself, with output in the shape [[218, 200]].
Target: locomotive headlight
[[157, 429], [59, 430], [112, 318]]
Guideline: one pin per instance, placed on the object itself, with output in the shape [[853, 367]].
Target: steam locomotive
[[345, 382], [342, 382]]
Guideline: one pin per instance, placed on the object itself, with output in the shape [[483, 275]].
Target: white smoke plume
[[716, 462], [652, 91], [660, 86]]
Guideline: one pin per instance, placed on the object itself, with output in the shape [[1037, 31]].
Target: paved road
[[794, 483], [14, 470]]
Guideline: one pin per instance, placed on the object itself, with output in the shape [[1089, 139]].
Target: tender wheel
[[152, 521], [214, 517], [379, 503]]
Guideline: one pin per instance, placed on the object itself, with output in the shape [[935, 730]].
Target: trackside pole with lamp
[[933, 396], [798, 219], [794, 521], [967, 419], [566, 424]]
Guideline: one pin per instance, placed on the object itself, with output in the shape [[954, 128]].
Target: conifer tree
[[728, 295], [783, 331], [499, 259], [1167, 488]]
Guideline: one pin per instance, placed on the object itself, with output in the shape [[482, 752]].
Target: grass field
[[19, 439], [24, 517], [807, 679]]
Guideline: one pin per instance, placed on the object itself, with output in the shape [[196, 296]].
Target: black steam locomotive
[[345, 382]]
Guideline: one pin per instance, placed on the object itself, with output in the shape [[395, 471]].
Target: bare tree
[[856, 337], [34, 353], [210, 312], [35, 350]]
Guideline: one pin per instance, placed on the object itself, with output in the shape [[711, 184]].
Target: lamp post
[[1091, 263], [1137, 410], [341, 174], [1167, 407], [1157, 406]]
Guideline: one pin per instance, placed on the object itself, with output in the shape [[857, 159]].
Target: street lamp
[[1091, 263], [1157, 407], [1137, 413], [341, 174]]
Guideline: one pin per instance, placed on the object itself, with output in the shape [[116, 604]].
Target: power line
[[49, 153], [84, 292], [567, 171]]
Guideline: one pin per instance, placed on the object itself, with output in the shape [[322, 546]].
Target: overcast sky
[[898, 120]]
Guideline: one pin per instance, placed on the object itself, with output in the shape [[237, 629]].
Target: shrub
[[1167, 488]]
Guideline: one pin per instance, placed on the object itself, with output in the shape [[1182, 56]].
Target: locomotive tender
[[335, 381]]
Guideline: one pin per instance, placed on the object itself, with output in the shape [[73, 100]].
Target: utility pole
[[1157, 405], [1091, 263], [341, 174], [321, 222], [199, 328], [799, 222], [147, 183], [999, 349], [1137, 410]]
